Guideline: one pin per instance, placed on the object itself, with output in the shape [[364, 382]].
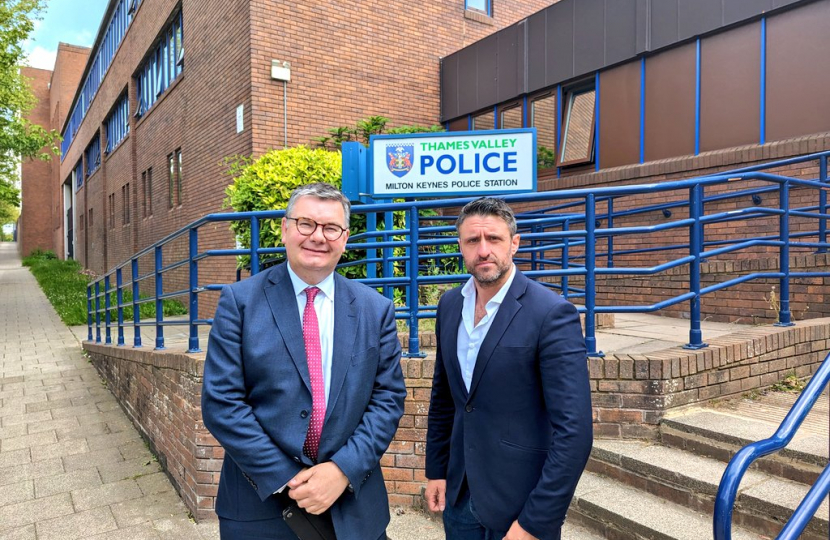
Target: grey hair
[[488, 206], [321, 190]]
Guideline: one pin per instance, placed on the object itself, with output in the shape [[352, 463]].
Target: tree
[[19, 138]]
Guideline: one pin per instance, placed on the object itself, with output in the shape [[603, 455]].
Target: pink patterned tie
[[314, 357]]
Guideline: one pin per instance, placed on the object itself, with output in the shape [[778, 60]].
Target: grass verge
[[65, 282]]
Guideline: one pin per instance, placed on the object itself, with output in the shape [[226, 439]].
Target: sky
[[70, 21]]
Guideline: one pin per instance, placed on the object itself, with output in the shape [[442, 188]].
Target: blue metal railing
[[731, 480], [574, 234]]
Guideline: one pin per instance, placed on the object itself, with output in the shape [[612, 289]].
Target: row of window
[[92, 156], [162, 67], [117, 26], [564, 134], [118, 123]]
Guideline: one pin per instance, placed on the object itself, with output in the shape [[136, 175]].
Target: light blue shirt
[[470, 336], [324, 307]]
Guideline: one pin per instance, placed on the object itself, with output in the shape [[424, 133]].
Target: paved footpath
[[71, 463]]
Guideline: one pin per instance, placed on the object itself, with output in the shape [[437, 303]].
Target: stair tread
[[649, 511], [702, 474], [575, 532], [741, 431]]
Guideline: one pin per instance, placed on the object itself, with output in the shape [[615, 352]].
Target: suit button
[[304, 414], [297, 459], [468, 408]]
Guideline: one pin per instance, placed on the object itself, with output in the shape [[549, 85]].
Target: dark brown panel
[[670, 103], [663, 24], [798, 72], [620, 31], [467, 77], [488, 70], [459, 124], [449, 86], [560, 43], [589, 35], [695, 17], [619, 135], [730, 89], [738, 10], [508, 64], [536, 51]]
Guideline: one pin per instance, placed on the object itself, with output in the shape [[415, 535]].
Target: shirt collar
[[326, 286], [469, 290]]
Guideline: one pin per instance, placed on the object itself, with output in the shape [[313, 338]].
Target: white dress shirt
[[470, 335], [324, 307]]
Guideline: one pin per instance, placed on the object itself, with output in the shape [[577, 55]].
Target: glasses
[[307, 226]]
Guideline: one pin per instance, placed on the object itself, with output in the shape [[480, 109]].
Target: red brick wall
[[35, 193]]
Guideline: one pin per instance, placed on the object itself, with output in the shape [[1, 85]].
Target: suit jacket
[[523, 433], [256, 398]]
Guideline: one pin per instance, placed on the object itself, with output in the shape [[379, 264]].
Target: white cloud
[[42, 58]]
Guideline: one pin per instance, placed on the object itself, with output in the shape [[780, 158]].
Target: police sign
[[453, 164]]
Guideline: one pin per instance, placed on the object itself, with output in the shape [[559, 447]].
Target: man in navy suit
[[305, 399], [510, 425]]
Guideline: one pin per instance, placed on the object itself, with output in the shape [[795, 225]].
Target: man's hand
[[436, 494], [316, 489], [516, 532]]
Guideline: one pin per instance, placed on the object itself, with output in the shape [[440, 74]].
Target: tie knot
[[311, 293]]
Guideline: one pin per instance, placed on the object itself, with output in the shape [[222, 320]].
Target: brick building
[[171, 88]]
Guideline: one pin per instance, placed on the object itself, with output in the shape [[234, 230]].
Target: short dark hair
[[321, 190], [488, 206]]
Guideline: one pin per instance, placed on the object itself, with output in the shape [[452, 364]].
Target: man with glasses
[[303, 386]]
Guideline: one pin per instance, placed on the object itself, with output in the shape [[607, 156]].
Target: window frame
[[568, 99], [488, 7]]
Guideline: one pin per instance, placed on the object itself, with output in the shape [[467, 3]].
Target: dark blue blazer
[[256, 398], [523, 433]]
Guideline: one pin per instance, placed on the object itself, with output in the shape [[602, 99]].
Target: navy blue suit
[[256, 399], [523, 433]]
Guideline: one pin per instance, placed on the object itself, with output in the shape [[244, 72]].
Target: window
[[79, 174], [163, 65], [485, 6], [174, 183], [125, 201], [111, 205], [147, 193], [543, 118], [92, 156], [484, 121], [577, 145], [511, 118], [89, 220], [118, 123], [117, 26]]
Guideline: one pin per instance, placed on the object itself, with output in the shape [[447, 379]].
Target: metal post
[[611, 236], [412, 298], [695, 247], [159, 305], [119, 298], [136, 310], [89, 312], [784, 315], [533, 243], [98, 311], [193, 311], [388, 265], [590, 277], [254, 245], [371, 227], [822, 204], [566, 244], [108, 339]]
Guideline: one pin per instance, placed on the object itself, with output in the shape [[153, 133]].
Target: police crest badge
[[400, 158]]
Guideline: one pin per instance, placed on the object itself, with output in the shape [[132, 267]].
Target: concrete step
[[764, 502], [571, 531], [720, 435], [622, 512]]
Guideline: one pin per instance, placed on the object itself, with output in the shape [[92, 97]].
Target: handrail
[[576, 242], [738, 465]]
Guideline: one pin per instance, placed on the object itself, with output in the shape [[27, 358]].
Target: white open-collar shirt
[[471, 337]]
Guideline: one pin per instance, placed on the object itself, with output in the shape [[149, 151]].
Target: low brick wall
[[161, 393]]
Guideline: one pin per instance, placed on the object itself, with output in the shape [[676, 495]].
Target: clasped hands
[[315, 489]]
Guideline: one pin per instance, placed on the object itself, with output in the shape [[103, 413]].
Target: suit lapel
[[449, 335], [508, 309], [346, 314], [283, 304]]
